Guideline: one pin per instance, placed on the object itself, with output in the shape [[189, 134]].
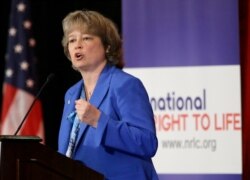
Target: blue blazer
[[122, 145]]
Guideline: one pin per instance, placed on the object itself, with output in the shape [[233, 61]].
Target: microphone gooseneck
[[49, 78]]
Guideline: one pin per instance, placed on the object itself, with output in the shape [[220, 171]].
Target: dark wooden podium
[[25, 158]]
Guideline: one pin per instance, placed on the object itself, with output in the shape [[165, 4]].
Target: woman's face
[[86, 51]]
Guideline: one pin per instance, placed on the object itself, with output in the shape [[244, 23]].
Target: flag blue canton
[[20, 60]]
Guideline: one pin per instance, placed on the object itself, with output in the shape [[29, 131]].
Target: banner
[[187, 55]]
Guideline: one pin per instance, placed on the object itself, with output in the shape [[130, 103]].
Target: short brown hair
[[95, 23]]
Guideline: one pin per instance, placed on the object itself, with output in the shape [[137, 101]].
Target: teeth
[[78, 55]]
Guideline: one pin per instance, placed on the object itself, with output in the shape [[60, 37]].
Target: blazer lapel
[[98, 95], [102, 87], [69, 107]]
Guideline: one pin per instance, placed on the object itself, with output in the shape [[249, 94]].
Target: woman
[[107, 122]]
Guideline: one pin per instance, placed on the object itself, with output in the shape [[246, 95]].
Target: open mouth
[[79, 56]]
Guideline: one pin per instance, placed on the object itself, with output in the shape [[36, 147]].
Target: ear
[[108, 49]]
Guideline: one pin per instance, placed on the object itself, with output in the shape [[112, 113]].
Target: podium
[[25, 158]]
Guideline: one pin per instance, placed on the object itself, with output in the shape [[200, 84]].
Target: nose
[[79, 45]]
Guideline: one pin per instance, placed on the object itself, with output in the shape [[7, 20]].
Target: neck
[[90, 79], [88, 94], [91, 76]]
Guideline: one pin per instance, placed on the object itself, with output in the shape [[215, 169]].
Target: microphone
[[49, 78]]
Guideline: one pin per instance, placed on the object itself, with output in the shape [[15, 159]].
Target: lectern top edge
[[16, 138]]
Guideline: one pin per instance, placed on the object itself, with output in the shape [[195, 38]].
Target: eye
[[71, 40], [87, 38]]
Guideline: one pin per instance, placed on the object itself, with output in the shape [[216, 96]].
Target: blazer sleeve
[[134, 129]]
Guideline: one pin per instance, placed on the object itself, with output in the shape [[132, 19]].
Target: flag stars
[[18, 48], [27, 24], [8, 72], [30, 83], [21, 7], [32, 42], [24, 65], [12, 31]]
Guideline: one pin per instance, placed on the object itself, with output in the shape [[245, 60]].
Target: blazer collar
[[98, 95], [100, 90], [102, 86]]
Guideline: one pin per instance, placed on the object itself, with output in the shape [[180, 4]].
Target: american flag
[[20, 82]]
